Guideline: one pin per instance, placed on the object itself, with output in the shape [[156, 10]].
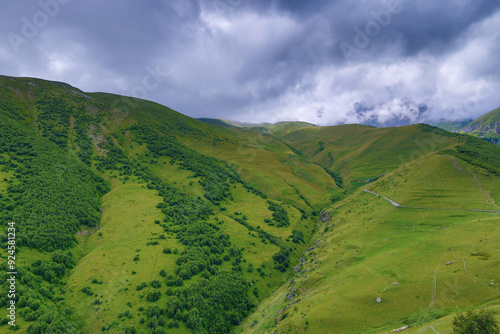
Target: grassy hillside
[[486, 127], [132, 218], [422, 261], [278, 129], [360, 154], [281, 129]]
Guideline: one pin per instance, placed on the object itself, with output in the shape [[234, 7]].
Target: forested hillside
[[133, 218], [219, 239]]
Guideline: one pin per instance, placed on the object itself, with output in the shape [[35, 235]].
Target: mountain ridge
[[486, 126]]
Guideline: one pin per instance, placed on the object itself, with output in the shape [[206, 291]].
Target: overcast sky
[[325, 62]]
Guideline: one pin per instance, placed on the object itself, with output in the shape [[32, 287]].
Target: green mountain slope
[[423, 260], [281, 129], [486, 127], [453, 126], [278, 129], [131, 217], [361, 154]]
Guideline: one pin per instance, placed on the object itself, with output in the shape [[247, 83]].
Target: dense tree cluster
[[336, 178], [268, 236], [197, 258], [114, 159], [481, 322], [153, 295], [179, 207], [321, 147], [57, 116], [297, 237], [280, 215], [210, 306], [52, 195], [10, 106], [52, 321], [54, 118], [49, 270], [281, 259], [52, 271], [83, 140], [37, 295]]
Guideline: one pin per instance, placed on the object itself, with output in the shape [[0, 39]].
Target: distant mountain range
[[486, 127]]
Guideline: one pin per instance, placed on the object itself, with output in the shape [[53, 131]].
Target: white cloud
[[270, 64], [456, 85]]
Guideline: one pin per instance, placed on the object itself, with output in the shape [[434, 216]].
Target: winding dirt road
[[398, 205]]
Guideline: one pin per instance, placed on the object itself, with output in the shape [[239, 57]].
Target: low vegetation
[[481, 322]]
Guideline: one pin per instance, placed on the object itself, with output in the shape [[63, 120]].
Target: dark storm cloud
[[319, 61]]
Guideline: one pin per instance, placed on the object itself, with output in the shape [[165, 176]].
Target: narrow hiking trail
[[434, 293], [474, 177], [455, 163], [431, 304], [398, 205], [487, 194], [435, 331]]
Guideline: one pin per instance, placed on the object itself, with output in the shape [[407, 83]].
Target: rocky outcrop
[[489, 132]]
